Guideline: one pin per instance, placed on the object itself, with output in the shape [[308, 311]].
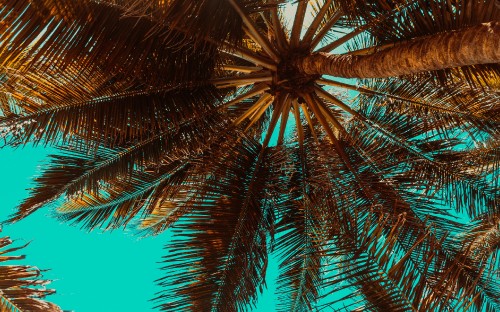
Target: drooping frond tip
[[22, 289]]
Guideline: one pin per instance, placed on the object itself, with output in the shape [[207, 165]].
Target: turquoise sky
[[92, 272]]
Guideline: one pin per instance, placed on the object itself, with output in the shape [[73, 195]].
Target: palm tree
[[20, 285], [232, 126]]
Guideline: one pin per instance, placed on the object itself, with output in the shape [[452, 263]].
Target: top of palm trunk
[[290, 66]]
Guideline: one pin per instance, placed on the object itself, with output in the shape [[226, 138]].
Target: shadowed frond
[[423, 156], [471, 110], [225, 233], [201, 19], [87, 35], [302, 229]]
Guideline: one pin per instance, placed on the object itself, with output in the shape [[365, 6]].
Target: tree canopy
[[236, 128]]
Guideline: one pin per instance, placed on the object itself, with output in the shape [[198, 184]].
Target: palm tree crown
[[234, 127]]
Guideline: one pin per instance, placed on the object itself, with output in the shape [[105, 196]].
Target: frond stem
[[242, 69], [298, 22], [242, 80], [249, 56], [255, 107], [262, 41], [308, 37], [256, 90], [284, 119], [326, 28], [278, 30]]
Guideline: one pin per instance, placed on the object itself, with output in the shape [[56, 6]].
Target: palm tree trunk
[[474, 45]]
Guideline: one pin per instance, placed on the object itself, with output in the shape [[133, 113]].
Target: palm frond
[[60, 34], [22, 287], [302, 229], [113, 120], [428, 158], [77, 170], [225, 234], [200, 20]]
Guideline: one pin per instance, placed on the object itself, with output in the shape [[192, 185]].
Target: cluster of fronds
[[376, 194]]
